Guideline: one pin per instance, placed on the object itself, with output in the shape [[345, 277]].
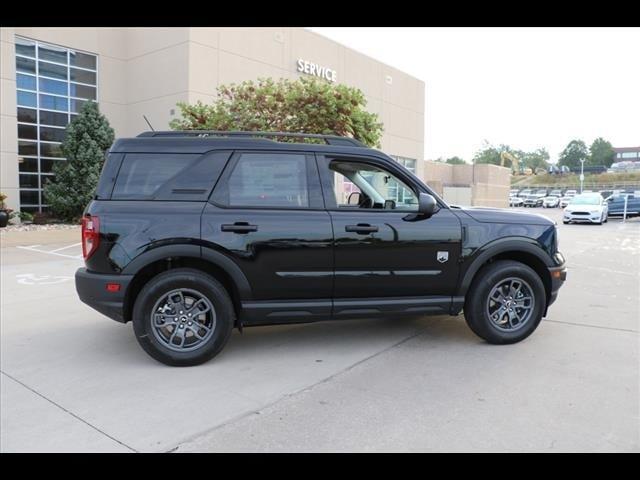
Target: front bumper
[[558, 276], [589, 217], [92, 290]]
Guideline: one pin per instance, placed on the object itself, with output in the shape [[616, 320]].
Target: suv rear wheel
[[505, 302], [183, 317]]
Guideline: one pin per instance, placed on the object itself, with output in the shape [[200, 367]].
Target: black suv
[[191, 234]]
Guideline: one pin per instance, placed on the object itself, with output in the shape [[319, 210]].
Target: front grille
[[580, 213]]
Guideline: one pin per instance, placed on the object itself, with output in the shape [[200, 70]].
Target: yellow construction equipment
[[515, 164]]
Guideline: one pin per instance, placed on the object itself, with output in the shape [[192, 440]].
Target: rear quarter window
[[143, 174]]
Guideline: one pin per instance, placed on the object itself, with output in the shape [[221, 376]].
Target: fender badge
[[442, 256]]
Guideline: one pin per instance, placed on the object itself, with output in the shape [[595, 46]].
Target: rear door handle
[[361, 228], [239, 227]]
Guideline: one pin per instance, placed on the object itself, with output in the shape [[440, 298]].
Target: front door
[[381, 247]]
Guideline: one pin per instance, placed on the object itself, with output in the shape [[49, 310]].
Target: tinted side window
[[142, 174], [378, 188], [266, 180]]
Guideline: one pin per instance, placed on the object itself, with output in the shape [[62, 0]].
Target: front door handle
[[239, 227], [361, 228]]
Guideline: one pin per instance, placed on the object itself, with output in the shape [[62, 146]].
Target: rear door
[[267, 215]]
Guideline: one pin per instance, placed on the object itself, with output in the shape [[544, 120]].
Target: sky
[[525, 87]]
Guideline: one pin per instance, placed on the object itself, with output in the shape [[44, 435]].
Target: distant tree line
[[599, 153]]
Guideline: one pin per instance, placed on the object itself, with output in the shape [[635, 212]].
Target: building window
[[628, 155], [400, 194], [52, 84]]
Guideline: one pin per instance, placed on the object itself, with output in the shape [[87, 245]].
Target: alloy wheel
[[183, 320], [510, 304]]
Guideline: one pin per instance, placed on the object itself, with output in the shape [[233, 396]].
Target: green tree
[[573, 153], [87, 138], [305, 105], [537, 159], [455, 161], [491, 154], [601, 153]]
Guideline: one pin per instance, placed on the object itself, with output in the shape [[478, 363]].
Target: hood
[[503, 215]]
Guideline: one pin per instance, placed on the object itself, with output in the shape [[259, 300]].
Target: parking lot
[[73, 380]]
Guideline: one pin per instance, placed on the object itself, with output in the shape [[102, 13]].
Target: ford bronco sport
[[191, 234]]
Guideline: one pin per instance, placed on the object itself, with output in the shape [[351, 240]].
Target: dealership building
[[48, 73]]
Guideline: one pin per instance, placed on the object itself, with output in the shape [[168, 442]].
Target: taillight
[[90, 235]]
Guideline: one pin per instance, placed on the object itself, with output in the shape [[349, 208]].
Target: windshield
[[587, 200]]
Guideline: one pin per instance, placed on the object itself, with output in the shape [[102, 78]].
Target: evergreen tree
[[87, 138]]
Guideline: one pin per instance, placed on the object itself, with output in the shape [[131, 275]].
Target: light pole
[[581, 173]]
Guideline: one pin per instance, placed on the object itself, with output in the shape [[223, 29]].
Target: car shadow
[[116, 344]]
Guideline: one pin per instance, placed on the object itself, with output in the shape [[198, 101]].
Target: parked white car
[[586, 207], [550, 202], [564, 201], [515, 201]]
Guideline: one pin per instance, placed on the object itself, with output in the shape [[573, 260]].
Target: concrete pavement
[[73, 380]]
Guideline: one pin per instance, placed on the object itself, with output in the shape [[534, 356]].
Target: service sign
[[311, 68]]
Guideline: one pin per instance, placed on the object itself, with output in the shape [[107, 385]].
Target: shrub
[[304, 106]]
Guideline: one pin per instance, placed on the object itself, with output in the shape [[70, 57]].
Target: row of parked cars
[[589, 206], [542, 197]]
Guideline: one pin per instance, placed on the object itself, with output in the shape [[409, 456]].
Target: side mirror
[[427, 205], [354, 198]]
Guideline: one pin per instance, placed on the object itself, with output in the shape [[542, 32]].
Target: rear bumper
[[92, 290]]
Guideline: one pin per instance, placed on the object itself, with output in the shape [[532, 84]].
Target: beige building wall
[[476, 185], [8, 120], [491, 186], [146, 71]]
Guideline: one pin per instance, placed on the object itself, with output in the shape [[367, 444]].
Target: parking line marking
[[33, 279], [75, 257], [64, 248]]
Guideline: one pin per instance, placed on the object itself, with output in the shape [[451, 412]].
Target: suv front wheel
[[505, 302], [183, 317]]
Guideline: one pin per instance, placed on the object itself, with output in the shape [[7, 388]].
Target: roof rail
[[329, 139]]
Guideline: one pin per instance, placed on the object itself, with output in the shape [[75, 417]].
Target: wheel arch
[[161, 259], [525, 251]]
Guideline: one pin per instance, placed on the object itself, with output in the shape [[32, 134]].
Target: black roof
[[328, 139], [200, 141]]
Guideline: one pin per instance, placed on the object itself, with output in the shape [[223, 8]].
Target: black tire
[[222, 322], [477, 297], [565, 222]]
